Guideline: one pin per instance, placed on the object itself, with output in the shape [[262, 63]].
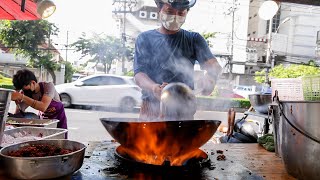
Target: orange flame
[[158, 143]]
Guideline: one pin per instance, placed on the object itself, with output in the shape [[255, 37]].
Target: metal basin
[[5, 99], [261, 102], [43, 167], [169, 137]]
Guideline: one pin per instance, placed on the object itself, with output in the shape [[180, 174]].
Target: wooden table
[[240, 158]]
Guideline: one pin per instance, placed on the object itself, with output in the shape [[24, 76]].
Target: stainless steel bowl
[[43, 167], [260, 102]]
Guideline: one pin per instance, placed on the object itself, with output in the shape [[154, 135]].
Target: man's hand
[[157, 89]]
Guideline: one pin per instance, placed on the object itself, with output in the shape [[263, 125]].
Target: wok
[[171, 136]]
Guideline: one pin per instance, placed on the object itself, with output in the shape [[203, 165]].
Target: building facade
[[293, 38]]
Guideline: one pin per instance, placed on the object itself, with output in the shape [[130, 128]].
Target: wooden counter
[[241, 159], [255, 158]]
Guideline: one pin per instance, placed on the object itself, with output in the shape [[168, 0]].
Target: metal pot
[[260, 102], [43, 167], [299, 138], [184, 136]]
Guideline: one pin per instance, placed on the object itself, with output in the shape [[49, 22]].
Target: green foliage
[[291, 71], [260, 76], [69, 70], [27, 38], [243, 103], [103, 49], [207, 36], [216, 102], [129, 73]]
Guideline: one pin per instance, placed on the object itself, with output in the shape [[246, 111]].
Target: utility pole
[[231, 11], [67, 45], [123, 7]]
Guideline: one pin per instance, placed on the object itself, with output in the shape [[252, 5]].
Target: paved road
[[84, 125]]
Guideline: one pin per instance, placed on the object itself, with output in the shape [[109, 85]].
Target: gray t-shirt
[[48, 90]]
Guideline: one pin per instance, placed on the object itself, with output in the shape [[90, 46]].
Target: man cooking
[[168, 54]]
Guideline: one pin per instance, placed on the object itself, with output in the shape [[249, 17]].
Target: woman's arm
[[39, 105]]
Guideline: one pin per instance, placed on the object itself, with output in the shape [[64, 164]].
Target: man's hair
[[159, 3], [23, 78]]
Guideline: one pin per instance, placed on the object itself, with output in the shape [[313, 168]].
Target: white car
[[244, 91], [101, 90], [77, 76]]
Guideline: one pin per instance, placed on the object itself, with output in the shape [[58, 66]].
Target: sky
[[81, 15], [76, 16]]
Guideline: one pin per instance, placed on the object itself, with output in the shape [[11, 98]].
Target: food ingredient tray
[[18, 122], [23, 134]]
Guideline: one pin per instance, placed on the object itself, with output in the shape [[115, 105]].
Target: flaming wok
[[157, 142]]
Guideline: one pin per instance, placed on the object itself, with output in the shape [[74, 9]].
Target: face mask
[[172, 22]]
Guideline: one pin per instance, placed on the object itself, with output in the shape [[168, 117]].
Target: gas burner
[[201, 161]]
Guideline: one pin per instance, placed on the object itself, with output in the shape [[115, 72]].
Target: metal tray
[[18, 122], [41, 132]]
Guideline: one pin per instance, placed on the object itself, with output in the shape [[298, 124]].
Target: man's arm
[[213, 70], [145, 83]]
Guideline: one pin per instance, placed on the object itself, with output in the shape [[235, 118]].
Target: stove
[[106, 163]]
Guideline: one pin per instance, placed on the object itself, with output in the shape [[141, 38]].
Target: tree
[[103, 49], [28, 38], [69, 70], [208, 36]]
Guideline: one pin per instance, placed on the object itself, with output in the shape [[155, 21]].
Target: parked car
[[244, 90], [101, 90], [77, 76], [229, 94]]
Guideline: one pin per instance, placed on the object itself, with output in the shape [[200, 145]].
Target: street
[[84, 125]]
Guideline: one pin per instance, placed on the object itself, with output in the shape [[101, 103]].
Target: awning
[[11, 10]]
